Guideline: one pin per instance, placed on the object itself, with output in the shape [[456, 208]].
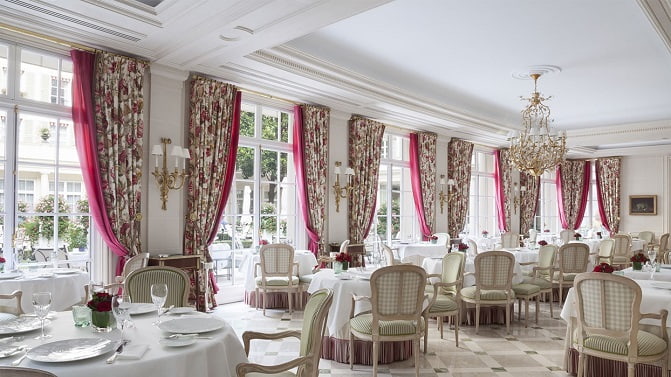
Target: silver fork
[[20, 359]]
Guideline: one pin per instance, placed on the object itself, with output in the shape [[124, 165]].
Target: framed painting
[[642, 204]]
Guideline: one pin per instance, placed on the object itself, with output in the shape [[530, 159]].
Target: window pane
[[36, 138], [3, 132], [244, 163], [67, 152], [284, 127], [247, 127], [39, 77], [4, 51], [270, 124]]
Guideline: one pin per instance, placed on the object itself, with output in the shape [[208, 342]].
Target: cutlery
[[118, 351], [196, 336], [20, 359], [168, 309]]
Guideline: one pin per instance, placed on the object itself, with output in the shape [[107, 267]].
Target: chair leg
[[376, 345], [257, 298], [291, 296], [630, 370], [526, 312], [508, 317], [426, 331], [477, 317], [519, 309], [351, 351], [456, 328], [416, 350], [265, 301], [537, 298], [581, 364], [551, 303], [561, 293], [440, 326]]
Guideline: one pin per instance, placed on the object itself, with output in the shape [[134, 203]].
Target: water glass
[[42, 304], [81, 314], [159, 294], [121, 306]]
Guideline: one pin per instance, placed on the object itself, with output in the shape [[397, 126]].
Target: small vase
[[637, 266], [2, 267], [337, 267], [434, 241], [102, 321], [345, 266]]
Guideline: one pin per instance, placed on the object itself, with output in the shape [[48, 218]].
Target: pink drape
[[86, 144], [422, 180], [499, 196], [572, 182]]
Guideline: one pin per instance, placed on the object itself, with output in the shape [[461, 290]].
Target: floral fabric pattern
[[213, 141], [608, 192], [425, 160], [572, 191], [119, 113], [365, 149], [528, 200], [459, 155], [314, 132], [504, 174]]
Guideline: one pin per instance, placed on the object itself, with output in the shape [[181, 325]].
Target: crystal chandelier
[[536, 148]]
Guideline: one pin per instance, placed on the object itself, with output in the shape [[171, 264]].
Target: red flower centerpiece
[[542, 242], [101, 311], [577, 236], [463, 246], [342, 262], [433, 238], [485, 234], [2, 264], [604, 267], [637, 261]]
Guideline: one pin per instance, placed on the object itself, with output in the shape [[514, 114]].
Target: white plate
[[182, 310], [192, 325], [65, 271], [71, 350], [9, 275], [660, 285], [141, 308], [21, 325], [344, 276], [7, 351], [178, 342], [6, 317]]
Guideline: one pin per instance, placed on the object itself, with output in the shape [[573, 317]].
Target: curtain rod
[[62, 42], [244, 90]]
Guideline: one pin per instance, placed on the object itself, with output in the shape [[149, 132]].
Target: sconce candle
[[342, 192], [445, 197], [166, 180]]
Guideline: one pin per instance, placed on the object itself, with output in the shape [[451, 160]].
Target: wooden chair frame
[[16, 309], [564, 267], [289, 272]]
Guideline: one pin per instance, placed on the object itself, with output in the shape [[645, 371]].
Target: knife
[[118, 351]]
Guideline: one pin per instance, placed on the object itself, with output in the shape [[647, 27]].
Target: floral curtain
[[459, 154], [214, 125], [365, 148], [528, 200], [311, 129], [423, 178], [572, 189], [608, 192], [503, 187], [118, 118]]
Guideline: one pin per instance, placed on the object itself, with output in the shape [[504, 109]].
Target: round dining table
[[144, 355], [65, 284]]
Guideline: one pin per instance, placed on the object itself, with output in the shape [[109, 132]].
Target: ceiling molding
[[659, 14], [130, 8], [653, 128]]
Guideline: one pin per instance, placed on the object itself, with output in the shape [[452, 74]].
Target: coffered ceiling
[[449, 66]]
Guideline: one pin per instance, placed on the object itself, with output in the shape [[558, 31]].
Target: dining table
[[415, 252], [80, 352], [307, 262], [656, 295], [65, 284]]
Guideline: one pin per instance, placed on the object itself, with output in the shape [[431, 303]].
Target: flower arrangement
[[263, 242], [2, 260], [100, 302], [546, 230], [542, 242], [485, 233], [639, 258], [577, 236], [462, 246], [604, 267], [343, 257], [598, 234], [433, 237]]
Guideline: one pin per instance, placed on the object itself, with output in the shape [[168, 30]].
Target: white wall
[[338, 151], [645, 175]]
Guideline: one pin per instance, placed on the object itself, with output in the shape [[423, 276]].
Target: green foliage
[[46, 223], [268, 223], [77, 236], [382, 219]]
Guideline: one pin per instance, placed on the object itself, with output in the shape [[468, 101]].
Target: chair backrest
[[11, 303], [453, 270], [397, 293], [606, 248], [622, 246], [494, 270], [566, 235], [343, 246], [472, 248], [24, 372], [44, 254], [573, 258], [547, 256], [647, 236], [89, 289], [510, 240], [388, 255], [443, 239], [277, 259], [608, 305], [138, 284], [664, 243], [134, 263], [357, 253], [533, 235], [314, 325]]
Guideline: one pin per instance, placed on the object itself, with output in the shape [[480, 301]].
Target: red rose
[[542, 242]]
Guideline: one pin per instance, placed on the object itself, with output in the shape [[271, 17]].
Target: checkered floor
[[530, 352]]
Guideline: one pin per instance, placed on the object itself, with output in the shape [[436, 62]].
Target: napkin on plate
[[133, 351]]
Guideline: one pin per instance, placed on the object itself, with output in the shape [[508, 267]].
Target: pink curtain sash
[[86, 144], [301, 184], [500, 198], [416, 182]]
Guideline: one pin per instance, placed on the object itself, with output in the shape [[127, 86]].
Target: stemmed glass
[[121, 306], [159, 293], [652, 254], [42, 304]]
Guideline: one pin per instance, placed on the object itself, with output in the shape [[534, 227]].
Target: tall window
[[547, 212], [591, 221], [481, 207], [396, 218], [44, 204], [262, 204]]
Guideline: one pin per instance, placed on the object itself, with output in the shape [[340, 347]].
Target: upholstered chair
[[443, 239], [278, 273], [605, 253], [132, 264], [24, 372], [510, 240], [11, 304], [444, 294], [389, 256], [138, 284], [622, 250], [541, 275], [572, 259], [566, 235]]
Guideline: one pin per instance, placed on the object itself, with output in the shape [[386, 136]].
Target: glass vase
[[637, 266], [102, 321]]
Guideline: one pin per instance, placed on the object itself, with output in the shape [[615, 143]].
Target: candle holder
[[342, 192], [169, 180], [444, 197]]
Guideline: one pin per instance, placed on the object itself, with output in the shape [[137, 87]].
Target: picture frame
[[643, 205]]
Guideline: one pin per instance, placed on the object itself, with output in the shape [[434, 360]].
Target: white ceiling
[[440, 65]]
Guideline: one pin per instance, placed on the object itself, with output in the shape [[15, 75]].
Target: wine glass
[[121, 306], [42, 304], [159, 293]]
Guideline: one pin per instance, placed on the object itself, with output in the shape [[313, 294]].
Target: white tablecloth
[[593, 243], [435, 266], [664, 274], [406, 252], [305, 259], [66, 289], [215, 357]]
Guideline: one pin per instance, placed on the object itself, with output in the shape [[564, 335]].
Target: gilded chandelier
[[536, 148]]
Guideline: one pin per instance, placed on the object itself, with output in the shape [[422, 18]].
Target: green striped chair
[[314, 324], [541, 275], [445, 294], [278, 273], [572, 259], [622, 250], [608, 316], [493, 284], [605, 253], [138, 284], [397, 294]]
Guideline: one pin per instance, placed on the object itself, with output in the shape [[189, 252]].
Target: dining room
[[251, 143]]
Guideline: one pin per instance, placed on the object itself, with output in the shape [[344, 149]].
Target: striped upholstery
[[621, 249], [605, 254], [567, 277], [138, 284], [453, 269], [525, 289], [494, 270], [648, 344], [510, 240], [277, 259], [572, 259], [397, 292], [547, 256], [443, 304], [485, 294], [317, 306], [541, 283], [364, 324], [278, 273], [277, 281]]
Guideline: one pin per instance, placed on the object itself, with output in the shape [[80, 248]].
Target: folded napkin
[[133, 351], [6, 317]]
